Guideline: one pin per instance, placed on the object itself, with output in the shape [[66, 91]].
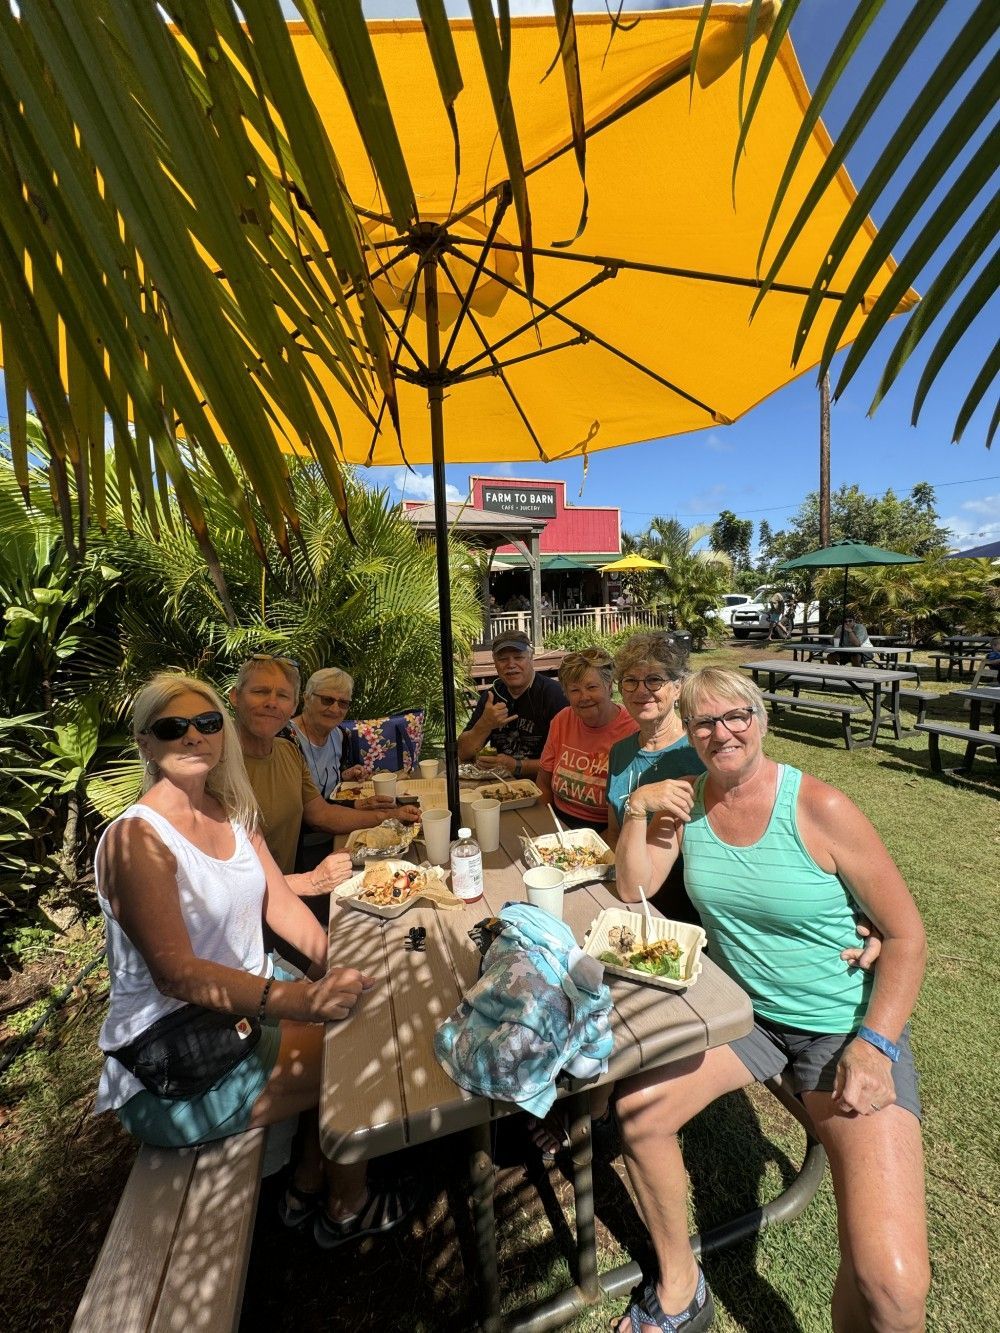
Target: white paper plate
[[690, 938]]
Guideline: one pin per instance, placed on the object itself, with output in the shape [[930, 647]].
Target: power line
[[773, 509]]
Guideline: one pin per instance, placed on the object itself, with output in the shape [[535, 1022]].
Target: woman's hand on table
[[863, 1081], [354, 774], [409, 814], [506, 762], [375, 803], [332, 998], [330, 872]]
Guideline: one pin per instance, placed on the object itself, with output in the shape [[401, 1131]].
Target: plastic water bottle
[[466, 867]]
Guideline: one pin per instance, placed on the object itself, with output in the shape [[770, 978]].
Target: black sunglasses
[[173, 728]]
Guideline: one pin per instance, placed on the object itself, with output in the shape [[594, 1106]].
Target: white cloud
[[977, 523], [420, 486]]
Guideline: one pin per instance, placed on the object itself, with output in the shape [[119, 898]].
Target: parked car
[[730, 601], [755, 616]]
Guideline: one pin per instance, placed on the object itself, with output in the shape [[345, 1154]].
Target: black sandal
[[382, 1211], [298, 1206]]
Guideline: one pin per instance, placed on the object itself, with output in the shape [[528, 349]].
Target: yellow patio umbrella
[[636, 329], [631, 562]]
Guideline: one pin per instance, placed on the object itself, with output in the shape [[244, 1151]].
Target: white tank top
[[222, 905]]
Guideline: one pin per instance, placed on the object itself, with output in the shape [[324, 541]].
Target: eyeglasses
[[173, 728], [735, 721], [653, 684], [331, 700]]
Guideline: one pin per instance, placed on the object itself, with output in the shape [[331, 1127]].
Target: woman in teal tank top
[[779, 865]]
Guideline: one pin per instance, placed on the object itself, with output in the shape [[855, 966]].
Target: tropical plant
[[691, 583], [908, 180], [135, 604], [909, 525], [927, 599]]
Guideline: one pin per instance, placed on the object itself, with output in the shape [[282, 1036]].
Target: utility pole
[[824, 476], [824, 461]]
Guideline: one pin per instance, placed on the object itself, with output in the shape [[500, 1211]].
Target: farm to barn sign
[[528, 501]]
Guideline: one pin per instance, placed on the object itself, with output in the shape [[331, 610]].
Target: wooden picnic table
[[975, 736], [866, 681], [383, 1089]]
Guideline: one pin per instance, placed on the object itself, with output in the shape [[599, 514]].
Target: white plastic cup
[[385, 785], [487, 816], [437, 835], [544, 887], [467, 800], [429, 768]]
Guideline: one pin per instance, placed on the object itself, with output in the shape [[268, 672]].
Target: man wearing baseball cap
[[513, 715]]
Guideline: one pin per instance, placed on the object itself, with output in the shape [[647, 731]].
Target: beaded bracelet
[[263, 999]]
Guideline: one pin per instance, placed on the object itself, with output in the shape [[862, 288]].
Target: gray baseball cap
[[511, 638]]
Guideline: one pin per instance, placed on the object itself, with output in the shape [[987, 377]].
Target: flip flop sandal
[[297, 1206], [699, 1315], [384, 1210], [552, 1128]]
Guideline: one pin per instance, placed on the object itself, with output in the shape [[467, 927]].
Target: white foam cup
[[544, 887], [385, 785], [429, 768], [437, 835], [487, 816]]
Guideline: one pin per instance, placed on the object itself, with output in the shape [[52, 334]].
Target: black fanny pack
[[188, 1051]]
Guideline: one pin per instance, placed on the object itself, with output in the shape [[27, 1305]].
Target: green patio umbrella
[[851, 555], [561, 562]]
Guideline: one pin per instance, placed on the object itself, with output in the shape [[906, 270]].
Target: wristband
[[630, 813], [263, 998], [880, 1043], [518, 768]]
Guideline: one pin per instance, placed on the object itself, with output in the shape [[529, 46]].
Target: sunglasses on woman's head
[[173, 728]]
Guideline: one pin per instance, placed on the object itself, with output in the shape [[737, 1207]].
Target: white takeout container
[[691, 939], [519, 803], [578, 837]]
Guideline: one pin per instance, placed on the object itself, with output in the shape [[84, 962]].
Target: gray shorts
[[812, 1058]]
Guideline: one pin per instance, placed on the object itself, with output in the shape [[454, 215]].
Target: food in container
[[517, 794], [581, 854], [661, 953], [389, 839]]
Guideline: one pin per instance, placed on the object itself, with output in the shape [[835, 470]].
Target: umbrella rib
[[665, 270], [719, 418], [497, 366], [503, 202], [536, 321], [527, 356], [411, 302]]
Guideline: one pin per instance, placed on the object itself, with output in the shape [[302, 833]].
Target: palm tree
[[124, 142], [691, 583]]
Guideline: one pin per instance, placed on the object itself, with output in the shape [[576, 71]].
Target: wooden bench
[[176, 1253], [844, 711], [973, 740]]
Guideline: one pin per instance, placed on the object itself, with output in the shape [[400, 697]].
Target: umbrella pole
[[435, 403], [843, 613]]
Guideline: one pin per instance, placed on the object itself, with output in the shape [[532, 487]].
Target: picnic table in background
[[888, 655], [974, 735], [866, 682], [383, 1089], [963, 652]]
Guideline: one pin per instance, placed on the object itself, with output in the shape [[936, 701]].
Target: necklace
[[312, 760]]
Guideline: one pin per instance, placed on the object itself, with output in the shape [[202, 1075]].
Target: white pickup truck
[[755, 617]]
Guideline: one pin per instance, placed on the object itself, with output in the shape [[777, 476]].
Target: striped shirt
[[775, 920]]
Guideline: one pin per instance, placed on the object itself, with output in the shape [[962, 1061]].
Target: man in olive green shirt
[[264, 699]]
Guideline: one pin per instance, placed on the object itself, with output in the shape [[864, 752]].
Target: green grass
[[61, 1172]]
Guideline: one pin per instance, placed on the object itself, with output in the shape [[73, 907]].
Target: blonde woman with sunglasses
[[185, 882]]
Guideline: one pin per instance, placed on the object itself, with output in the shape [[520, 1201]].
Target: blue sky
[[763, 466]]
